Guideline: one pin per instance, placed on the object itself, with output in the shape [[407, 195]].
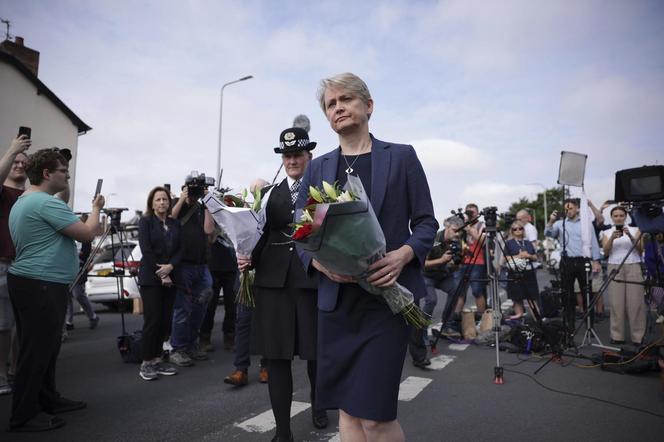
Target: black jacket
[[156, 250], [274, 257]]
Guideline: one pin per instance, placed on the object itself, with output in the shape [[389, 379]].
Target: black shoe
[[64, 405], [319, 418], [422, 363], [616, 342], [599, 317], [278, 438], [69, 326], [41, 422]]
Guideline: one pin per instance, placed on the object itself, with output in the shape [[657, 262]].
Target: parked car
[[111, 264]]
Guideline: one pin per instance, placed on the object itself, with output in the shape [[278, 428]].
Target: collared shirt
[[573, 240], [291, 181]]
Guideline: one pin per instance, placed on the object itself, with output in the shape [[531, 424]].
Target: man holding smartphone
[[13, 178], [43, 226]]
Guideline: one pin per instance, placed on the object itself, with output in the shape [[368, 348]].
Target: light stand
[[590, 313], [571, 173]]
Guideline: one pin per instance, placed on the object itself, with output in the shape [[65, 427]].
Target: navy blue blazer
[[151, 238], [401, 200]]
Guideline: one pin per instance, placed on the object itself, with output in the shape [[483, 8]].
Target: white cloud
[[501, 195], [440, 155]]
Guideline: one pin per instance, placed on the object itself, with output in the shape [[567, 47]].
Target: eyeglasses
[[61, 169], [516, 229]]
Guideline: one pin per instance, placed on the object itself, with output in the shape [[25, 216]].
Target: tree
[[554, 198]]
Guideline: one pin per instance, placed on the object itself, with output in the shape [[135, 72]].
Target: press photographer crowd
[[286, 260]]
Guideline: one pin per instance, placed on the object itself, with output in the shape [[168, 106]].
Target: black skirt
[[362, 347], [522, 286], [284, 323]]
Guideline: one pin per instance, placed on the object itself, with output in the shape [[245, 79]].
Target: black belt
[[576, 258]]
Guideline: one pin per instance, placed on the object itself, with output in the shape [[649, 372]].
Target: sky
[[488, 92]]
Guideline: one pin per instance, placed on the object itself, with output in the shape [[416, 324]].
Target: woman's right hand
[[341, 279], [243, 262], [553, 217]]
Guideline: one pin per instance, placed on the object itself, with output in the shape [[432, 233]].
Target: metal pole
[[546, 210], [221, 108]]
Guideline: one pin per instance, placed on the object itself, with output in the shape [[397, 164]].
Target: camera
[[197, 183], [507, 219], [490, 218], [454, 246]]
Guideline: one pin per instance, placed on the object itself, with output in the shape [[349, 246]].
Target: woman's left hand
[[163, 270], [386, 271]]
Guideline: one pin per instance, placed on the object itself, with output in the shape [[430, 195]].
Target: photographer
[[194, 280], [474, 262], [441, 263], [439, 273]]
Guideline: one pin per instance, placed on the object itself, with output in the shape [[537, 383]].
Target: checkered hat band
[[294, 143]]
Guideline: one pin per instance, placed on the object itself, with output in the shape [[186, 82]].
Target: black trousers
[[572, 269], [157, 318], [225, 281], [39, 307]]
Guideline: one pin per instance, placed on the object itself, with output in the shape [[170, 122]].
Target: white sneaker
[[5, 388]]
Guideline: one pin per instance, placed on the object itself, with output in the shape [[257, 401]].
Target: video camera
[[197, 183], [115, 214]]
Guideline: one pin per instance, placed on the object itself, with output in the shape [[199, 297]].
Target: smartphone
[[100, 181], [23, 130], [619, 228], [167, 186]]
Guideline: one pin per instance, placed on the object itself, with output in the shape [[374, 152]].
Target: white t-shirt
[[621, 246], [530, 232]]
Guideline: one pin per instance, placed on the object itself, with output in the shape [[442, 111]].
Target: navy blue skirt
[[361, 351]]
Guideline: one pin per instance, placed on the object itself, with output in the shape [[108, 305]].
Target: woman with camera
[[159, 239], [521, 279], [625, 297]]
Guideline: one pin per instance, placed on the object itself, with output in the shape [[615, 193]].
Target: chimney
[[29, 57]]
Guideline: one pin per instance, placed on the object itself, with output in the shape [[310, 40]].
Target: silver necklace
[[350, 169]]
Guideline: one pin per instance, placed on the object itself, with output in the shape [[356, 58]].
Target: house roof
[[42, 89]]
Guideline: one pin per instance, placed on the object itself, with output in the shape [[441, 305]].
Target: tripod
[[113, 228], [590, 333]]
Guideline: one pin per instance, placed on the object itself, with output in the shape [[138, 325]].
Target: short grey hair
[[453, 221], [346, 81]]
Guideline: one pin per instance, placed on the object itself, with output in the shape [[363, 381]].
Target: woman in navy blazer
[[361, 343], [159, 238]]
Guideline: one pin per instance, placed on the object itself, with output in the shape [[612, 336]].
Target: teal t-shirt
[[42, 252]]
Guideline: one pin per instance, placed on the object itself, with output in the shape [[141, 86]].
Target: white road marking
[[458, 347], [336, 438], [411, 387], [440, 362], [264, 422]]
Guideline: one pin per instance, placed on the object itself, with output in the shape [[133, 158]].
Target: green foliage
[[554, 198]]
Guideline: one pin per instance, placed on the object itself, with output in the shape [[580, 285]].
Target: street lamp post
[[546, 211], [221, 108]]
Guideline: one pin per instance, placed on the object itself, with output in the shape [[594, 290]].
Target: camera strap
[[190, 213]]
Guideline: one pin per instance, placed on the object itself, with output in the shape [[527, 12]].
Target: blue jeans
[[191, 299], [448, 285]]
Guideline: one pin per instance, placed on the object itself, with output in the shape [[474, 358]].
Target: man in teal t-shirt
[[43, 229], [43, 252]]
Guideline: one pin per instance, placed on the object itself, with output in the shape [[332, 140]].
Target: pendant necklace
[[350, 169]]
